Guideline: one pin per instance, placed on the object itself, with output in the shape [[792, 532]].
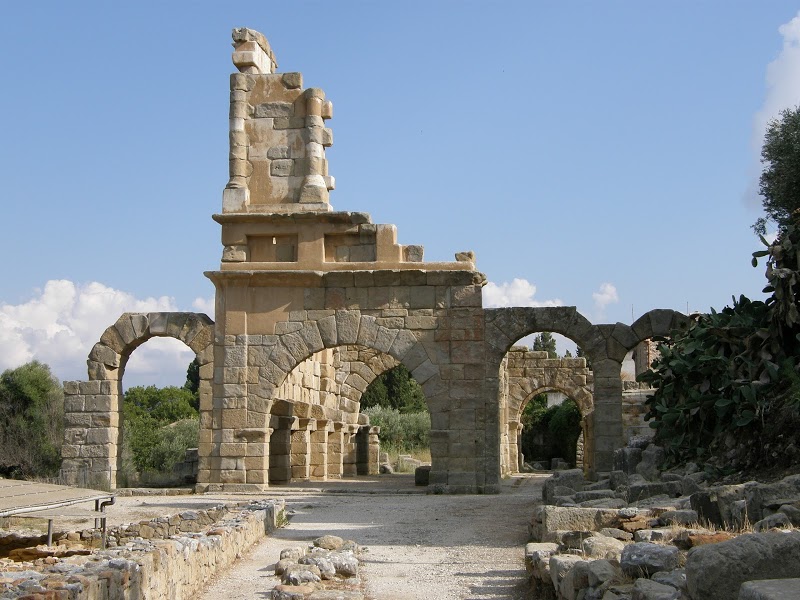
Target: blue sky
[[602, 154]]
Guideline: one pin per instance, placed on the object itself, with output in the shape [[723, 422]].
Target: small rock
[[617, 534], [329, 542], [293, 553], [646, 589], [291, 592], [778, 520], [603, 547]]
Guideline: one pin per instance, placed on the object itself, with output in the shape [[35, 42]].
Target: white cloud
[[60, 324], [783, 91], [607, 294], [519, 292], [204, 305]]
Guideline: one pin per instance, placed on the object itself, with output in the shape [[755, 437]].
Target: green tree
[[545, 342], [579, 354], [159, 424], [193, 377], [31, 421], [779, 183], [164, 405], [395, 388]]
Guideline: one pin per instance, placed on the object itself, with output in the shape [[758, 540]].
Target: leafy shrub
[[401, 431], [732, 372]]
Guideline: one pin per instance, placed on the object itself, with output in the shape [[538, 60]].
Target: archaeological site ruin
[[312, 304]]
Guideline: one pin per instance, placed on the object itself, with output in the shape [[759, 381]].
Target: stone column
[[349, 457], [230, 405], [607, 426], [374, 451], [301, 449], [512, 457], [280, 449], [362, 450], [92, 419], [319, 450], [336, 450]]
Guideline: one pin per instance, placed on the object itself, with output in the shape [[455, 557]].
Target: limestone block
[[281, 168], [104, 355], [234, 253], [717, 571], [273, 110], [293, 80]]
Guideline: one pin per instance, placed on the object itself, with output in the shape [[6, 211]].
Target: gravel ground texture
[[415, 545]]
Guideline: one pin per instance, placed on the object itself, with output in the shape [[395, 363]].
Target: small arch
[[90, 454]]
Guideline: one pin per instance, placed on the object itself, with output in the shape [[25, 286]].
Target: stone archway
[[527, 373], [254, 412], [92, 408]]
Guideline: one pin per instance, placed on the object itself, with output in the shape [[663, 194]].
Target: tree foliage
[[733, 372], [397, 389], [545, 342], [159, 424], [549, 433], [31, 421], [193, 377], [402, 432], [779, 183]]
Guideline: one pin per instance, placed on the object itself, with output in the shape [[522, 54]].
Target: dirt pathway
[[417, 545]]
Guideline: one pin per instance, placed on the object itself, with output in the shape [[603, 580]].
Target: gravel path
[[416, 545]]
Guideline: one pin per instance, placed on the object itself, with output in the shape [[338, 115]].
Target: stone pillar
[[512, 456], [230, 384], [301, 449], [520, 456], [336, 450], [92, 419], [280, 449], [349, 456], [362, 450], [374, 451], [319, 450], [607, 426]]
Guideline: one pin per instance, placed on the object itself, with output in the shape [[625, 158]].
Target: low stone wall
[[155, 559]]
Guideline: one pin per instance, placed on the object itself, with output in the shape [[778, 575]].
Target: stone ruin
[[312, 304]]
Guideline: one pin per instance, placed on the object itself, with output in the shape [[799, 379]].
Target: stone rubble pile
[[643, 534], [178, 556], [326, 570]]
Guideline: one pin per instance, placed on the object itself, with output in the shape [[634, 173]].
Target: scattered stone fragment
[[329, 542], [642, 558], [646, 589]]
